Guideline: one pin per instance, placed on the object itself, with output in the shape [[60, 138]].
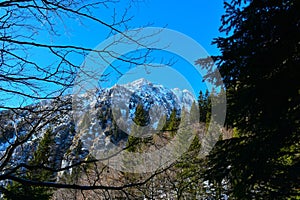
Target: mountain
[[118, 105], [88, 120]]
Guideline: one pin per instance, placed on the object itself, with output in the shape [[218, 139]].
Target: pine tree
[[141, 116], [259, 64], [204, 106], [138, 135], [189, 165], [173, 122], [41, 157], [194, 113], [208, 106]]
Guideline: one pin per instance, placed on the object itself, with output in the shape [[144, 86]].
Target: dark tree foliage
[[173, 122], [41, 158], [259, 63], [204, 103], [141, 119], [169, 124]]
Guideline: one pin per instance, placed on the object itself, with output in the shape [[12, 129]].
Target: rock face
[[89, 119]]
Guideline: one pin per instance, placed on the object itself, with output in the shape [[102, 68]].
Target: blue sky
[[197, 19]]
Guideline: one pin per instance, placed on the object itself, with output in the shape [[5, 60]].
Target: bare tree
[[37, 66]]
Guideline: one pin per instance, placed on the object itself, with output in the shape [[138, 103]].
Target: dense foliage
[[259, 62]]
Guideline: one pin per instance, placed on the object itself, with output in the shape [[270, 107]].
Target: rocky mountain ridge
[[87, 120]]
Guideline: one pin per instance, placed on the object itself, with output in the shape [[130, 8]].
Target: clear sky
[[197, 19]]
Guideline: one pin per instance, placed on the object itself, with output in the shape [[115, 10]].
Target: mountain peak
[[140, 82]]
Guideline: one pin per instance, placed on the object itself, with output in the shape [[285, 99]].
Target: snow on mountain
[[89, 119], [158, 93]]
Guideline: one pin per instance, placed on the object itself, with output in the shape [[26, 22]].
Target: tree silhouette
[[259, 63]]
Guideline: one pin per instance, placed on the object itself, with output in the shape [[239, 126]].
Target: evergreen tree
[[204, 106], [41, 157], [173, 122], [259, 62], [208, 97], [141, 116], [201, 103], [189, 166], [194, 113], [138, 135], [184, 132]]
